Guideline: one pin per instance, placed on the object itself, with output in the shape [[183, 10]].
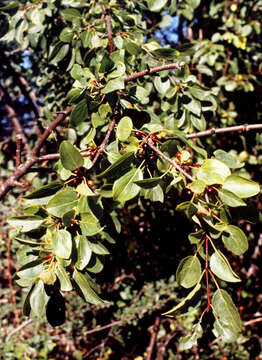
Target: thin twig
[[108, 326], [10, 282], [253, 321], [160, 153], [12, 115], [209, 132], [151, 345], [20, 327], [18, 150], [177, 65], [102, 146]]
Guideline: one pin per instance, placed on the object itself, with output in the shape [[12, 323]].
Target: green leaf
[[10, 6], [226, 311], [62, 244], [31, 270], [45, 190], [70, 14], [106, 64], [66, 35], [183, 302], [62, 202], [235, 239], [225, 332], [194, 107], [188, 341], [65, 283], [156, 5], [220, 266], [241, 187], [188, 272], [160, 86], [84, 189], [148, 183], [98, 248], [85, 288], [84, 252], [60, 54], [124, 128], [154, 194], [79, 113], [113, 85], [38, 299], [70, 157], [213, 171], [230, 199], [25, 223], [122, 163], [95, 265], [48, 276], [124, 188], [228, 159], [198, 186]]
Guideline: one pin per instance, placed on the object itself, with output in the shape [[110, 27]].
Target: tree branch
[[102, 146], [160, 153], [22, 84], [177, 65], [12, 115], [114, 323], [154, 330], [109, 28], [212, 131]]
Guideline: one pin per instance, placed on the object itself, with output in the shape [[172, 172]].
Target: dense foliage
[[120, 136]]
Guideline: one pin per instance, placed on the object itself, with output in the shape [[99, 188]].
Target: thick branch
[[160, 153], [177, 65], [23, 169]]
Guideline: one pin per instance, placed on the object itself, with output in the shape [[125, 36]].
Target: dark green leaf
[[235, 239], [220, 266], [85, 288], [124, 162], [79, 113], [230, 199], [70, 157], [45, 190], [62, 202], [148, 183]]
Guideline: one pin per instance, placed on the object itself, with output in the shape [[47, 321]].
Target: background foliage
[[125, 202]]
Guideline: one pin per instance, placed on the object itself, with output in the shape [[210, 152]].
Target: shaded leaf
[[62, 202], [85, 288], [235, 239], [70, 157]]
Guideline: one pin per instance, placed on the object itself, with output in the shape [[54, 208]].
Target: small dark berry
[[76, 171], [210, 190], [145, 146], [92, 153], [138, 134], [196, 228], [178, 155], [152, 158], [140, 156]]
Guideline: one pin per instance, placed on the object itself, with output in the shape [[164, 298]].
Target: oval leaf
[[84, 253], [189, 271], [65, 283], [226, 310], [62, 202], [230, 199], [241, 187], [38, 299], [235, 239], [124, 128], [221, 267], [62, 244], [124, 188], [70, 157], [213, 171]]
